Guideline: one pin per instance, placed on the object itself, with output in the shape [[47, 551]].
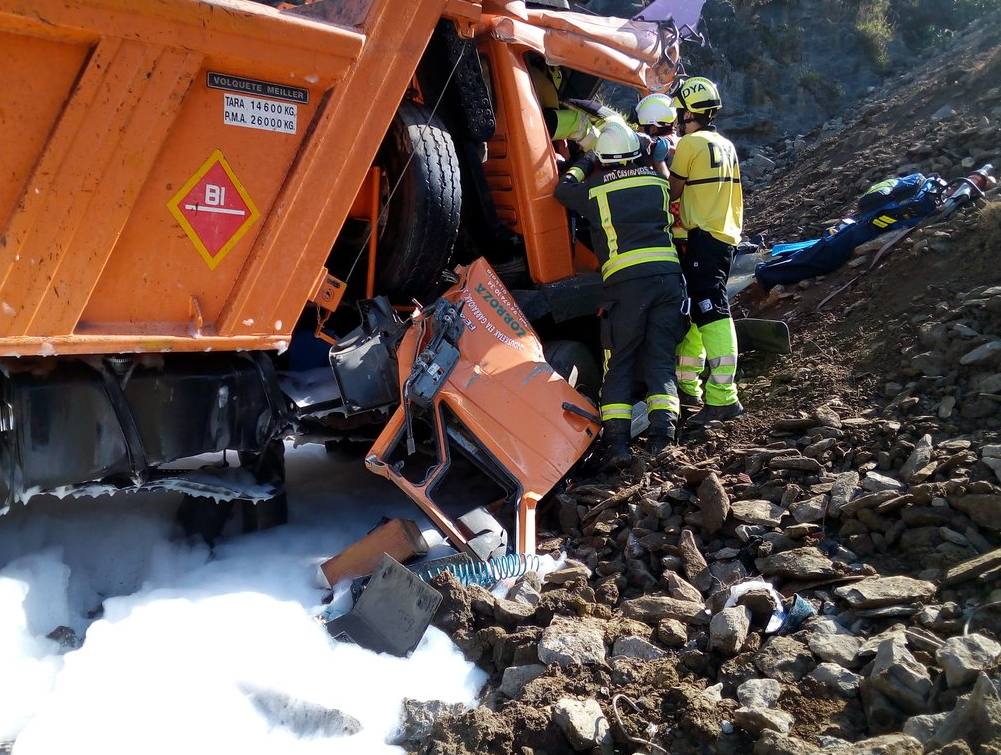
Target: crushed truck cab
[[194, 192], [475, 368]]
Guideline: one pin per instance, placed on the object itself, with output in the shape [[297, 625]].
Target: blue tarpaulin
[[793, 262]]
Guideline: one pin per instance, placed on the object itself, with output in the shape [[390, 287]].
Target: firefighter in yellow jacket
[[705, 177]]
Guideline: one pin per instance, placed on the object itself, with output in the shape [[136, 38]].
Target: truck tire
[[422, 220], [564, 356], [209, 520]]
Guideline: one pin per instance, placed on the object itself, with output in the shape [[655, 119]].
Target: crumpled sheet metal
[[628, 52]]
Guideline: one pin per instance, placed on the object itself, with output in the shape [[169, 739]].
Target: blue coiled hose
[[483, 573]]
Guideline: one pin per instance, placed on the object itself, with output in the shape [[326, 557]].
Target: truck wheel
[[268, 467], [422, 219], [263, 515], [564, 356], [209, 520], [205, 518]]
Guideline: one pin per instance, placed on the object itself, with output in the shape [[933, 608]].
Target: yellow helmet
[[697, 95], [655, 110]]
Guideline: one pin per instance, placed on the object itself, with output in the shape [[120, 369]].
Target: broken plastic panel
[[391, 614]]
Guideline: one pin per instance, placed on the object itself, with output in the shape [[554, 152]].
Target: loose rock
[[516, 677], [637, 647], [887, 744], [799, 563], [714, 503], [886, 591], [757, 512], [728, 629], [836, 679], [652, 608], [759, 693], [962, 658], [784, 659], [418, 720], [983, 508], [877, 483], [919, 457], [583, 724], [696, 568], [567, 642], [899, 676], [845, 487], [835, 648], [756, 720]]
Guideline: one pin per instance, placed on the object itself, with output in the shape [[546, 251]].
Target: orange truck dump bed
[[175, 173], [189, 186]]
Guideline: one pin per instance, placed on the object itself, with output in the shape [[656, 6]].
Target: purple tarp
[[682, 11]]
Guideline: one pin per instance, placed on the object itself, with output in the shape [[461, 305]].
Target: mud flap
[[770, 336], [392, 613]]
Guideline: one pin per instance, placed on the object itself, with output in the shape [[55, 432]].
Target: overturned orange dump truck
[[195, 195]]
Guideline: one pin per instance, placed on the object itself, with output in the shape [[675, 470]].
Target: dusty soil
[[844, 356]]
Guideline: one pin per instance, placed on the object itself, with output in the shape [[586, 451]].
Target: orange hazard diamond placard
[[214, 209]]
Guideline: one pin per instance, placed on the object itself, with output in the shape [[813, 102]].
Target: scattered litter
[[798, 613], [650, 729], [484, 573], [778, 615]]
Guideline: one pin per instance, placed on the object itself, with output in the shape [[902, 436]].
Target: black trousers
[[706, 263], [642, 320]]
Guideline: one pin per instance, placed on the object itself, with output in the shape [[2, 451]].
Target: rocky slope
[[823, 573], [786, 68]]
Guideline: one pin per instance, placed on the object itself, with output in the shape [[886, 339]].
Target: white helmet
[[656, 110], [617, 143]]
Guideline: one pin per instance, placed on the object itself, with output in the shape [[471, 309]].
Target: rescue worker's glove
[[589, 139], [593, 117], [591, 107]]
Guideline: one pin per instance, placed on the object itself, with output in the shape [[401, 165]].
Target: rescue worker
[[656, 116], [705, 177], [642, 313]]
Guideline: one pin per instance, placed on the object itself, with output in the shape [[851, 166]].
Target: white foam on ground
[[168, 665]]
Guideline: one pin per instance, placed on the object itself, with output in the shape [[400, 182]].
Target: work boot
[[689, 404], [715, 414], [659, 438], [615, 453]]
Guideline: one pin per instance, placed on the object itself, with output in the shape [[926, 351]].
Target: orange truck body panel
[[175, 172], [111, 112], [528, 418]]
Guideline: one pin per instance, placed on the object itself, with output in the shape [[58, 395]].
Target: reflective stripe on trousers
[[689, 368], [616, 411], [716, 343], [663, 402], [723, 369], [691, 363]]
